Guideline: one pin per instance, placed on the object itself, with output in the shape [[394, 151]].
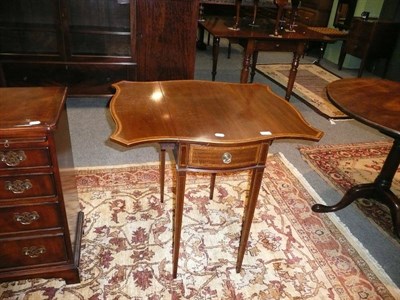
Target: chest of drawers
[[370, 40], [40, 222]]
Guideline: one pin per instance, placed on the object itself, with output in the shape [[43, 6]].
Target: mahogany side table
[[213, 126]]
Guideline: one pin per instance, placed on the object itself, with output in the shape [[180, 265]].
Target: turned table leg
[[215, 53]]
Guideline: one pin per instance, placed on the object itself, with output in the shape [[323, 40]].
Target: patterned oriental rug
[[310, 84], [346, 165], [292, 252]]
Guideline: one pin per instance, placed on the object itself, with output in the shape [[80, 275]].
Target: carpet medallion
[[346, 165], [292, 253], [309, 86]]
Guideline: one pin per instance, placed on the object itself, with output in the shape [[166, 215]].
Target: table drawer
[[30, 217], [361, 29], [32, 251], [306, 17], [356, 48], [26, 186], [209, 157], [278, 45], [24, 158]]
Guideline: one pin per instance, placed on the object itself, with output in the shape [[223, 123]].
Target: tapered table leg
[[212, 184], [256, 179], [163, 148], [178, 214], [162, 172]]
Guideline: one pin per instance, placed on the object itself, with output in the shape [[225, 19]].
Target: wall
[[391, 11], [373, 6], [333, 50]]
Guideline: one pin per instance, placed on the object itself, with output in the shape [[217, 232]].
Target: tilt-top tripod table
[[376, 103]]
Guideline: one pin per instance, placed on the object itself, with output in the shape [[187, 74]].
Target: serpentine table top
[[213, 127]]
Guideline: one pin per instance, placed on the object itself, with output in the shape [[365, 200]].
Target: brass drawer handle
[[18, 186], [26, 218], [226, 158], [33, 251], [12, 158]]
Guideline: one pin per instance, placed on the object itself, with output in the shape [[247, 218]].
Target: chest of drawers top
[[34, 110]]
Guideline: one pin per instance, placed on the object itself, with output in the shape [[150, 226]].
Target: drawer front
[[24, 158], [361, 29], [30, 217], [32, 251], [356, 48], [306, 17], [26, 186], [206, 157], [278, 45]]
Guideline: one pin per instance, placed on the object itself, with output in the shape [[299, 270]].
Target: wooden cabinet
[[89, 44], [370, 40], [166, 43], [40, 222]]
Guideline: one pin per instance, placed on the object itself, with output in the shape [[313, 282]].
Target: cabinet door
[[166, 39], [30, 27], [99, 28]]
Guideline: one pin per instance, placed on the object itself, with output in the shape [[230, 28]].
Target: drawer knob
[[226, 158], [26, 218], [18, 186], [33, 251], [12, 158]]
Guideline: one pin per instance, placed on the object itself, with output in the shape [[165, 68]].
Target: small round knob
[[226, 158]]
